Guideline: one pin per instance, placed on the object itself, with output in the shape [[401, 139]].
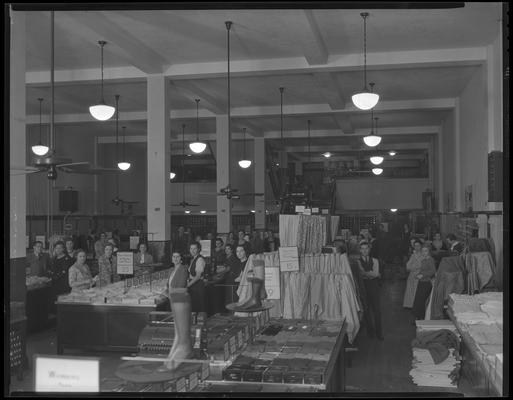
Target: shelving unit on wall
[[356, 222]]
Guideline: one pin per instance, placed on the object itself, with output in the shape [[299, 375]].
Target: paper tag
[[125, 263], [289, 259], [64, 374]]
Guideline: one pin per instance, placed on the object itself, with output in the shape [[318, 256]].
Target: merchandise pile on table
[[288, 352], [36, 282], [143, 289], [480, 319], [432, 337]]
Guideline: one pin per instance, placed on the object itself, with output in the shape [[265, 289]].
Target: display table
[[481, 347], [38, 302], [100, 327]]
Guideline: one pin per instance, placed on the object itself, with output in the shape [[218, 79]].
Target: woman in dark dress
[[196, 285], [234, 268], [59, 267]]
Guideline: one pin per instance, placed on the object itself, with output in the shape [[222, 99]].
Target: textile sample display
[[308, 232], [334, 223], [480, 271], [448, 279], [289, 227]]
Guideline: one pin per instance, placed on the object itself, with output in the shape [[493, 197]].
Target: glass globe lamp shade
[[372, 140], [102, 112], [187, 211], [377, 171], [244, 163], [123, 165], [172, 175], [40, 150], [327, 154], [203, 212], [392, 153], [365, 100], [197, 147], [376, 160], [393, 209]]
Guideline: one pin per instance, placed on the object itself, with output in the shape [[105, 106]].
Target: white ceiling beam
[[344, 123], [94, 26], [192, 92], [280, 66], [85, 76], [313, 44], [402, 130], [330, 89], [347, 148]]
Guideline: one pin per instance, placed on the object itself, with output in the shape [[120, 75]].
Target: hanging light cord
[[52, 78], [117, 143], [102, 43], [183, 164], [281, 114], [365, 15], [40, 121], [309, 159], [244, 130], [124, 127], [228, 27], [376, 124], [197, 119]]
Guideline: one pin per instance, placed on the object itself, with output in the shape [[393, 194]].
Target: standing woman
[[426, 273], [61, 262], [79, 275], [107, 266], [196, 285], [413, 266]]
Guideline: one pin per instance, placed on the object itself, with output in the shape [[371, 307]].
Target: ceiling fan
[[233, 193], [183, 203]]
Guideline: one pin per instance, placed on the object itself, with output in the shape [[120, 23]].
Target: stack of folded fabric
[[436, 360]]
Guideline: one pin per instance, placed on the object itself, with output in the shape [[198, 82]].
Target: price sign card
[[125, 263], [289, 259], [272, 282], [66, 374]]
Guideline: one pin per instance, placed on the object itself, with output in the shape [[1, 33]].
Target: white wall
[[379, 194]]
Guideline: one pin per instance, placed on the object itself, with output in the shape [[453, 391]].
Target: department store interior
[[225, 200]]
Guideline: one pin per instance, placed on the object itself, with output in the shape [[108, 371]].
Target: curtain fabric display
[[480, 271], [323, 289], [308, 232]]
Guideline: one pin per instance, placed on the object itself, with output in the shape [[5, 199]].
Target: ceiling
[[420, 60]]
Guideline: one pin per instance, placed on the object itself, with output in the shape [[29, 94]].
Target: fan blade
[[24, 168], [26, 172], [72, 164], [192, 205]]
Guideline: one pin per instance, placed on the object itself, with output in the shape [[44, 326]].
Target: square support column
[[259, 160], [224, 206], [17, 155], [159, 164]]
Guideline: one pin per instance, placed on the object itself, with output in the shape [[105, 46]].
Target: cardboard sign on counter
[[289, 259], [125, 263], [66, 374], [272, 283]]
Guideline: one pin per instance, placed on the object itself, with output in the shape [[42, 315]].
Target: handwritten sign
[[205, 248], [300, 209], [125, 263], [134, 242], [272, 283], [65, 374], [289, 259]]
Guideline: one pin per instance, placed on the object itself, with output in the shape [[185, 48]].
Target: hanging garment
[[287, 301], [413, 265], [317, 297], [289, 230], [334, 223], [448, 279], [480, 269], [349, 307]]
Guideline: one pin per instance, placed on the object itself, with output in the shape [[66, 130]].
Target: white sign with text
[[65, 374], [272, 283], [134, 242], [289, 259], [125, 263]]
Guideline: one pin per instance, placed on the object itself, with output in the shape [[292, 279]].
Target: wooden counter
[[100, 327]]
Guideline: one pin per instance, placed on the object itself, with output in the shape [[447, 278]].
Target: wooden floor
[[384, 365]]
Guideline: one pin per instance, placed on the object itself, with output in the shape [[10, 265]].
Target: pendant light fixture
[[123, 164], [372, 140], [376, 160], [244, 163], [40, 149], [377, 171], [393, 210], [365, 100], [392, 153], [327, 154], [172, 175], [197, 146], [102, 111]]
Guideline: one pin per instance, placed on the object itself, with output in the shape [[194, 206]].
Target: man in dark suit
[[454, 245]]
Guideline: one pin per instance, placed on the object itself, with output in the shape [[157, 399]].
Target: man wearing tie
[[369, 269]]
